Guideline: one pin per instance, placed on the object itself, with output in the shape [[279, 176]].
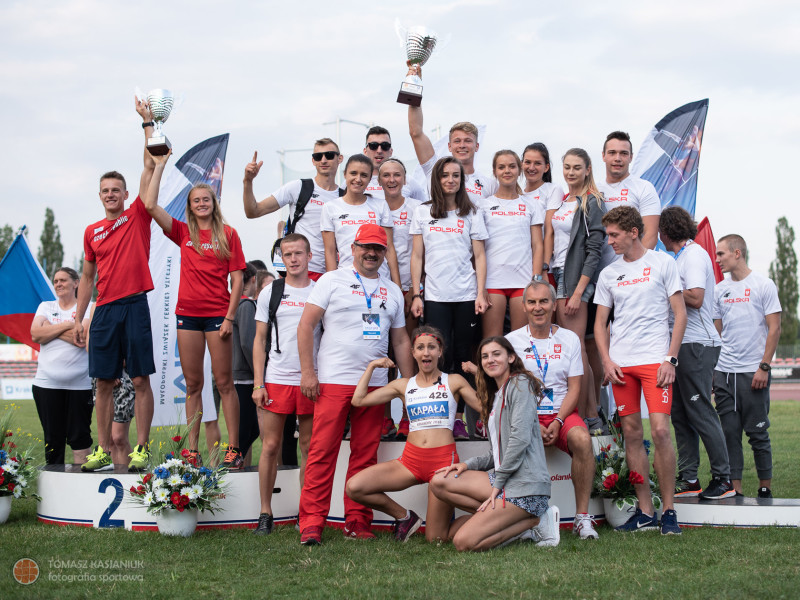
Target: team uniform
[[562, 230], [742, 307], [547, 196], [477, 184], [509, 255], [359, 314], [553, 360], [309, 225], [639, 292], [402, 240], [411, 189], [121, 324], [432, 407], [282, 377]]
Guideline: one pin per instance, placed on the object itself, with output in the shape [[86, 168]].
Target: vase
[[5, 508], [173, 522], [617, 516]]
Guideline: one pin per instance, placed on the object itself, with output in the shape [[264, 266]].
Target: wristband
[[227, 319], [258, 387], [147, 124], [415, 296], [560, 420]]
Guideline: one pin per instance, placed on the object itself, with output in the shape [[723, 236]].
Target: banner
[[24, 286], [204, 163], [670, 155], [705, 238]]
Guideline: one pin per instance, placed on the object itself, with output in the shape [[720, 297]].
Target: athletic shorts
[[638, 379], [288, 400], [314, 276], [204, 324], [572, 420], [507, 292], [533, 505], [120, 332], [424, 462]]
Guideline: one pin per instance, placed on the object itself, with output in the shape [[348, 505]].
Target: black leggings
[[66, 417]]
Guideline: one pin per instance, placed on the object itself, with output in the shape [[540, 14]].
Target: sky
[[271, 74]]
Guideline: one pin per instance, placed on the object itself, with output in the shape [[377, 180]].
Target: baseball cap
[[371, 234]]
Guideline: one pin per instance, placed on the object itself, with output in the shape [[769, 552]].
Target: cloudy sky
[[271, 74]]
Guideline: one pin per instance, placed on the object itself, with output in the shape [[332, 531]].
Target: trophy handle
[[400, 31]]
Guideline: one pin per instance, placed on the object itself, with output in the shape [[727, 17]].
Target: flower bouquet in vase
[[17, 471]]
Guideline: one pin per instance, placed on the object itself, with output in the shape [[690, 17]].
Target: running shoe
[[669, 523], [640, 522], [547, 532], [405, 528], [388, 429], [402, 430], [233, 459], [764, 492], [480, 430], [265, 524], [584, 527], [717, 490], [194, 458], [140, 457], [356, 530], [460, 430], [311, 536], [686, 489], [98, 461]]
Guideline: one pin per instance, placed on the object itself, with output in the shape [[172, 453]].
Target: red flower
[[11, 486], [175, 498], [12, 445], [147, 477], [14, 458], [610, 481], [2, 479], [180, 508], [184, 453], [9, 434], [177, 438], [184, 500], [635, 478]]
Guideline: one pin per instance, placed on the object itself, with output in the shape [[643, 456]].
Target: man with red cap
[[361, 312]]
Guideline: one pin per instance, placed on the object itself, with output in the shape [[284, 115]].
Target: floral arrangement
[[17, 471], [177, 482], [613, 479]]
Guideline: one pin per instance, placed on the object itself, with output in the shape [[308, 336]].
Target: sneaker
[[640, 522], [405, 528], [584, 527], [233, 459], [764, 492], [669, 523], [265, 524], [402, 430], [480, 430], [194, 458], [547, 532], [388, 429], [718, 489], [460, 430], [140, 457], [98, 461], [311, 536], [685, 489], [356, 530], [596, 426]]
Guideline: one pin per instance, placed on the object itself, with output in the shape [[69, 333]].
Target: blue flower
[[161, 472], [205, 471], [647, 447], [210, 483], [168, 456], [3, 456], [187, 478]]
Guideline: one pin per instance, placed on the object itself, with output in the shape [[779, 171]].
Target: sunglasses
[[372, 247], [329, 155], [385, 146]]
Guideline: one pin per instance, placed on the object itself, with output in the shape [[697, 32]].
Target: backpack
[[278, 287]]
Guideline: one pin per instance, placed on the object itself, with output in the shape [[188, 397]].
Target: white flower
[[11, 466], [161, 495], [21, 481], [175, 480], [607, 472], [173, 462], [185, 490], [148, 498], [157, 482], [195, 492], [18, 492]]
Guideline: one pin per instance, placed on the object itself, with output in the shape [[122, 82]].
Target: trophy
[[419, 43], [161, 103]]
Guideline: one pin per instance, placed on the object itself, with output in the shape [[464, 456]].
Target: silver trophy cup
[[161, 103], [420, 42]]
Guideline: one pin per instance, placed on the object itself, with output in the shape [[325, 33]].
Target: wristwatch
[[765, 367], [537, 277], [671, 360]]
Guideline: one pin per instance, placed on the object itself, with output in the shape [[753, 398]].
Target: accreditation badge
[[371, 324]]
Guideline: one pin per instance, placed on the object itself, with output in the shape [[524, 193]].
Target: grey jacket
[[523, 468], [586, 242], [244, 334]]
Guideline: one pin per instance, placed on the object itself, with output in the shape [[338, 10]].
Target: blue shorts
[[205, 324], [561, 288], [120, 331]]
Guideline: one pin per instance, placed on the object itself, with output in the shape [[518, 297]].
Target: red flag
[[705, 238]]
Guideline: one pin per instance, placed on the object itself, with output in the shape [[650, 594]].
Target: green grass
[[703, 562]]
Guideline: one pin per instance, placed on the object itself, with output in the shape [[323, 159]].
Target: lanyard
[[368, 295], [546, 356], [682, 248]]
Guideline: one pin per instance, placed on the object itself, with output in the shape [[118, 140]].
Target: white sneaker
[[547, 531], [583, 527]]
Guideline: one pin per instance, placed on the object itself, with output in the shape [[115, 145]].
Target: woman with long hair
[[511, 500], [210, 252], [430, 398]]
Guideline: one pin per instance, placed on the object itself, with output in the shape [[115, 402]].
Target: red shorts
[[424, 462], [573, 420], [314, 276], [638, 379], [508, 292], [288, 400]]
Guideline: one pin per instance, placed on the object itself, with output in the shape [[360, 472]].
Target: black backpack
[[278, 287]]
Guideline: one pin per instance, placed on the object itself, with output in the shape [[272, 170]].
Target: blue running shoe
[[640, 522], [669, 523]]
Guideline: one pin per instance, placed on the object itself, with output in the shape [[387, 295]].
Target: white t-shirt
[[477, 184], [343, 352], [562, 355], [284, 368], [345, 219], [639, 291], [743, 306], [449, 276], [308, 225], [493, 426], [509, 255], [547, 196], [401, 236], [62, 366], [411, 189], [562, 229], [696, 271], [432, 407]]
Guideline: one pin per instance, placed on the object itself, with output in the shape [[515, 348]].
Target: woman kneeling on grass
[[512, 501], [430, 398]]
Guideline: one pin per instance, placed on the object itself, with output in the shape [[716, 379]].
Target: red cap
[[371, 234]]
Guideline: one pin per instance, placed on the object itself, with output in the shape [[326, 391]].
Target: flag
[[24, 286], [670, 155], [204, 163], [705, 238]]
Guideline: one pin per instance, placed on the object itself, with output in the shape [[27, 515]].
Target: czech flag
[[24, 286]]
